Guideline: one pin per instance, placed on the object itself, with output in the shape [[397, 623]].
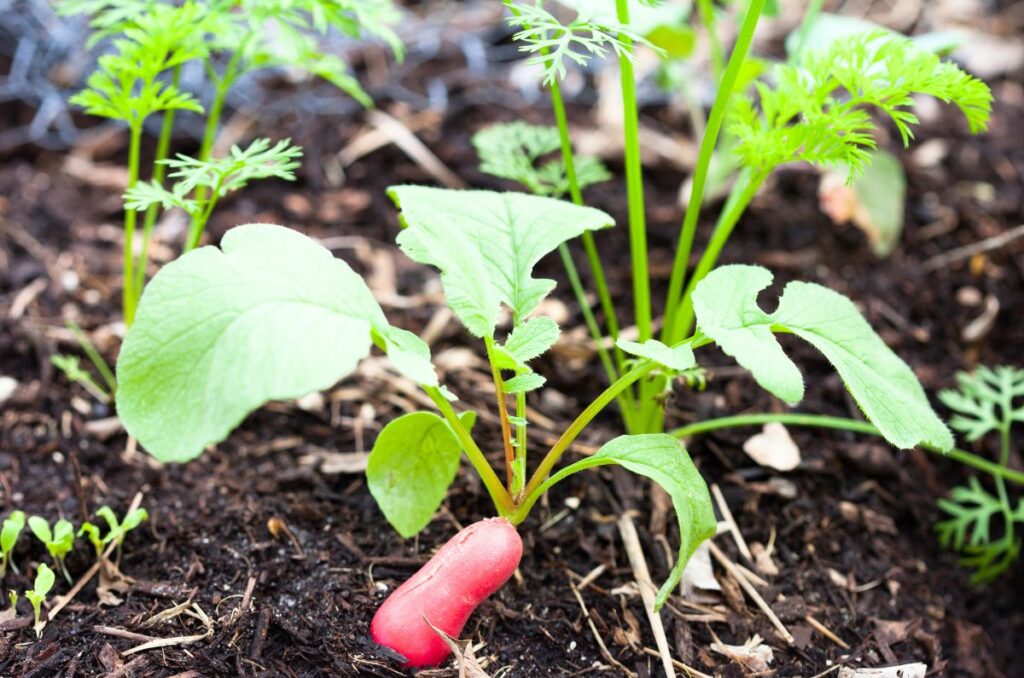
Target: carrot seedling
[[37, 595], [817, 108], [59, 541], [9, 532], [986, 401], [141, 79]]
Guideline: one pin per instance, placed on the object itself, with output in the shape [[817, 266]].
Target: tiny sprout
[[12, 527], [43, 584], [59, 541], [12, 596], [93, 533], [116, 530]]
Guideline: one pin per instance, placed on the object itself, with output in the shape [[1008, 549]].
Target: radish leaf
[[412, 463], [884, 386], [486, 245], [271, 315], [664, 460], [675, 358]]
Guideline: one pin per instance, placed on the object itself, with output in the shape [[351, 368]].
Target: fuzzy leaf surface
[[884, 386], [486, 245], [271, 315], [675, 358]]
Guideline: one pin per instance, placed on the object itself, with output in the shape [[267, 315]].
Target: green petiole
[[843, 424]]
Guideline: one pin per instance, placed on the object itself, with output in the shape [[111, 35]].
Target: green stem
[[843, 424], [522, 442], [588, 315], [585, 417], [163, 146], [200, 220], [506, 428], [195, 230], [634, 181], [707, 17], [589, 245], [502, 501], [128, 296], [1006, 406], [231, 73], [94, 356], [746, 187], [700, 174], [810, 18]]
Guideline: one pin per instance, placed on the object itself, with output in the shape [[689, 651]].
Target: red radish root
[[475, 563]]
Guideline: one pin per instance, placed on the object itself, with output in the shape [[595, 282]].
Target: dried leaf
[[754, 655], [698, 573], [462, 651], [874, 201]]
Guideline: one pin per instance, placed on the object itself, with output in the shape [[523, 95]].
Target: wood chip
[[754, 655]]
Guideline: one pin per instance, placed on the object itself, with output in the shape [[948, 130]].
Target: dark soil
[[264, 512]]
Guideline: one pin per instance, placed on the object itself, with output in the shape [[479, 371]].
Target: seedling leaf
[[884, 387], [413, 461], [92, 533], [664, 460], [984, 400], [12, 527], [819, 110], [41, 587], [530, 381], [531, 338], [486, 245], [512, 150], [271, 315], [969, 530], [553, 44], [675, 358]]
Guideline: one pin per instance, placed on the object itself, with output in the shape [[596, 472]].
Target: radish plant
[[271, 315], [153, 40]]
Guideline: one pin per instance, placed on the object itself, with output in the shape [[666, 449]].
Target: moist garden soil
[[275, 538]]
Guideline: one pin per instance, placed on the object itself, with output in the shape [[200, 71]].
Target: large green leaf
[[486, 245], [664, 460], [271, 315], [884, 387], [412, 463]]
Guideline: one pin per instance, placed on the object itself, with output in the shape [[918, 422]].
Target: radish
[[475, 563]]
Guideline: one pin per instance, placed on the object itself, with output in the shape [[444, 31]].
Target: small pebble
[[7, 387], [968, 296]]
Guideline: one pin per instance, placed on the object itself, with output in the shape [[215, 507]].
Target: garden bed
[[274, 536]]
